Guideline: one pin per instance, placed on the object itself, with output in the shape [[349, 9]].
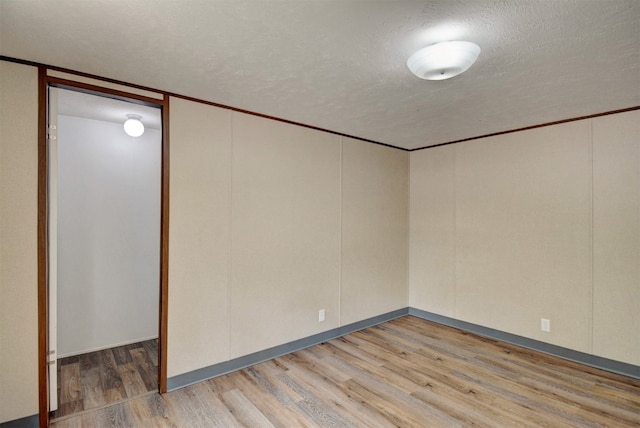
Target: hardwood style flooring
[[101, 378], [404, 373]]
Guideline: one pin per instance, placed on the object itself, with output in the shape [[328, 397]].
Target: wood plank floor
[[404, 373], [97, 379]]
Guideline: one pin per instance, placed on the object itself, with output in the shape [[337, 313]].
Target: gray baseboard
[[614, 366], [27, 422], [225, 367]]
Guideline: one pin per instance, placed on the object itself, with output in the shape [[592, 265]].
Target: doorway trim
[[44, 82]]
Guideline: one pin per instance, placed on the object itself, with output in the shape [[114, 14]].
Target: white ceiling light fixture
[[443, 60], [133, 127]]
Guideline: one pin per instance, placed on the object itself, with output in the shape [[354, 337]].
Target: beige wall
[[616, 236], [199, 238], [502, 234], [523, 233], [18, 241], [432, 231], [374, 230], [272, 222], [285, 233]]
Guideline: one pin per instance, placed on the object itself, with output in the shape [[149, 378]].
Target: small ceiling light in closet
[[443, 60], [133, 127]]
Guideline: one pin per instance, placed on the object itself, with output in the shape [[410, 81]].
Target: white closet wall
[[108, 235]]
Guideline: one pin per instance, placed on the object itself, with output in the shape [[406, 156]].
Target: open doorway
[[104, 197]]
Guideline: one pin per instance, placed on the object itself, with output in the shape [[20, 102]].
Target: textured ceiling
[[341, 64]]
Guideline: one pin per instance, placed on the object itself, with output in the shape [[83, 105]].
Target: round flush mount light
[[443, 60], [133, 127]]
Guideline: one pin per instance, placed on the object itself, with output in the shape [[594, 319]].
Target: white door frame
[[52, 149]]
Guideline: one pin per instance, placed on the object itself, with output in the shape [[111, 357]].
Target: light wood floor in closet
[[101, 378], [404, 373]]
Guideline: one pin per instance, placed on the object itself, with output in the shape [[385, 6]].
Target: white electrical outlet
[[545, 324], [321, 315]]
